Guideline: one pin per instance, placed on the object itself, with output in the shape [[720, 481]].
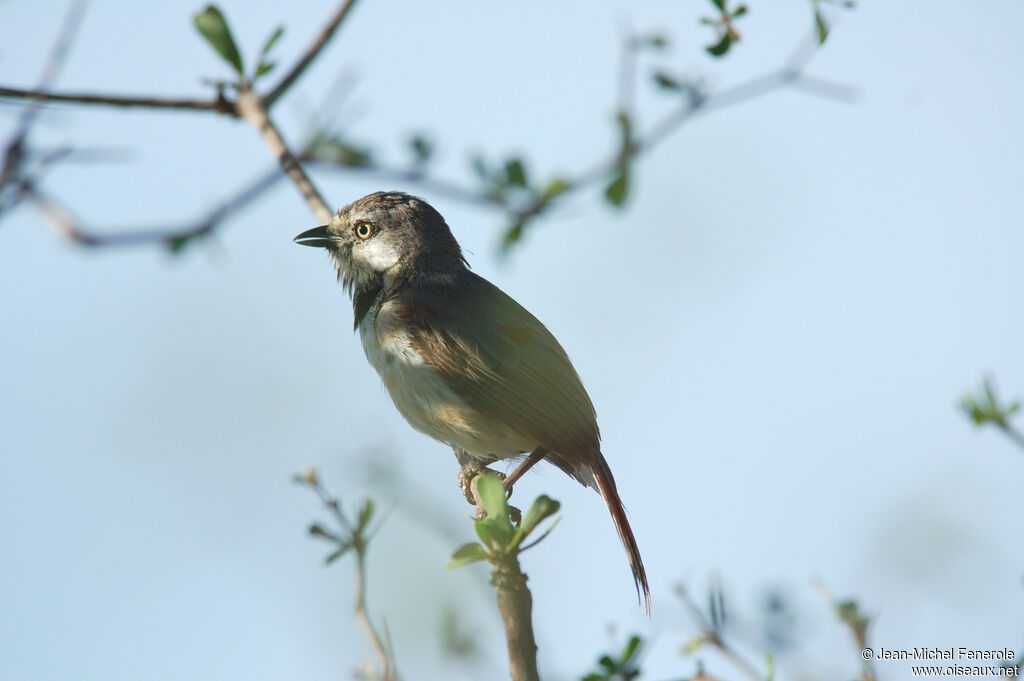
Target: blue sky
[[775, 333]]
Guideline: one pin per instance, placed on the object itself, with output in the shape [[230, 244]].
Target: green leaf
[[264, 68], [555, 187], [771, 667], [365, 515], [632, 645], [176, 244], [720, 4], [665, 81], [656, 41], [739, 11], [721, 47], [512, 235], [421, 148], [333, 150], [822, 27], [484, 532], [337, 554], [618, 190], [466, 554], [492, 496], [214, 28], [515, 173], [693, 645], [541, 508], [274, 37]]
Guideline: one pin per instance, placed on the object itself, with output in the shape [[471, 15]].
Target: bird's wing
[[498, 357]]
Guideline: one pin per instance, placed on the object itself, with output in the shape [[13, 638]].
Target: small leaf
[[365, 515], [492, 496], [608, 663], [665, 81], [656, 41], [214, 28], [555, 187], [337, 554], [618, 190], [176, 244], [542, 507], [720, 4], [721, 47], [466, 554], [274, 37], [484, 532], [512, 235], [515, 173], [693, 645], [631, 647], [264, 68], [421, 148], [739, 11], [822, 27]]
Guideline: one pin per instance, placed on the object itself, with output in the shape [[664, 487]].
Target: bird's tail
[[606, 486]]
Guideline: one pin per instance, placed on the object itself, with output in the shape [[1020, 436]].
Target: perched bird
[[462, 361]]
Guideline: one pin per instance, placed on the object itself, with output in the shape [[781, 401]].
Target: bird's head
[[384, 239]]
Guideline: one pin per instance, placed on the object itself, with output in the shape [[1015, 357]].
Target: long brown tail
[[606, 486]]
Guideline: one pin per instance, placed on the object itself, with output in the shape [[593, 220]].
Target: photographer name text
[[1003, 654]]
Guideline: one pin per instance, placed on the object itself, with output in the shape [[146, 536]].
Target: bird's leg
[[535, 456], [469, 468]]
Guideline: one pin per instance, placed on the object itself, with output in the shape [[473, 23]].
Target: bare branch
[[710, 632], [219, 105], [314, 50], [381, 643], [251, 107]]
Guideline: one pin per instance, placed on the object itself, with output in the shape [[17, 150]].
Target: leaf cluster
[[501, 533]]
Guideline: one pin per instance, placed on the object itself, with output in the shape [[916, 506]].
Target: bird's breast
[[422, 395]]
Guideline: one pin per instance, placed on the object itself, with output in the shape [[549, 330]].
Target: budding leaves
[[212, 25], [214, 28], [499, 535]]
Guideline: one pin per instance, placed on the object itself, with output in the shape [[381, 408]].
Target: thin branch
[[381, 644], [219, 105], [69, 227], [710, 633], [252, 109], [311, 53]]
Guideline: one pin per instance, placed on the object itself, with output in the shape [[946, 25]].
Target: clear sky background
[[775, 334]]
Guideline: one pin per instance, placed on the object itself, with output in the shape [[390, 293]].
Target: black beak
[[318, 236]]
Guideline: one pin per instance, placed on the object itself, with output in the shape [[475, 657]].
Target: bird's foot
[[468, 473]]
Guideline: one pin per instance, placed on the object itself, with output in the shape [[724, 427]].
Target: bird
[[462, 361]]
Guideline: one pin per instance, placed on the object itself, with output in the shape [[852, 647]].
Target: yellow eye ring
[[363, 230]]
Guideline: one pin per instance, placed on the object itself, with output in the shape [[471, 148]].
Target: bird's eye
[[364, 230]]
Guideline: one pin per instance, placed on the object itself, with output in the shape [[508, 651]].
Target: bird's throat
[[364, 297]]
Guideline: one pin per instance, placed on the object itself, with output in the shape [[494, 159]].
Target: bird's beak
[[318, 236]]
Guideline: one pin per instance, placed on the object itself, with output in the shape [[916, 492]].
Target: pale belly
[[425, 399]]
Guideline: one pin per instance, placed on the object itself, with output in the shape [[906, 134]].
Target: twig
[[219, 105], [69, 227], [710, 633], [381, 644], [251, 108], [314, 50]]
